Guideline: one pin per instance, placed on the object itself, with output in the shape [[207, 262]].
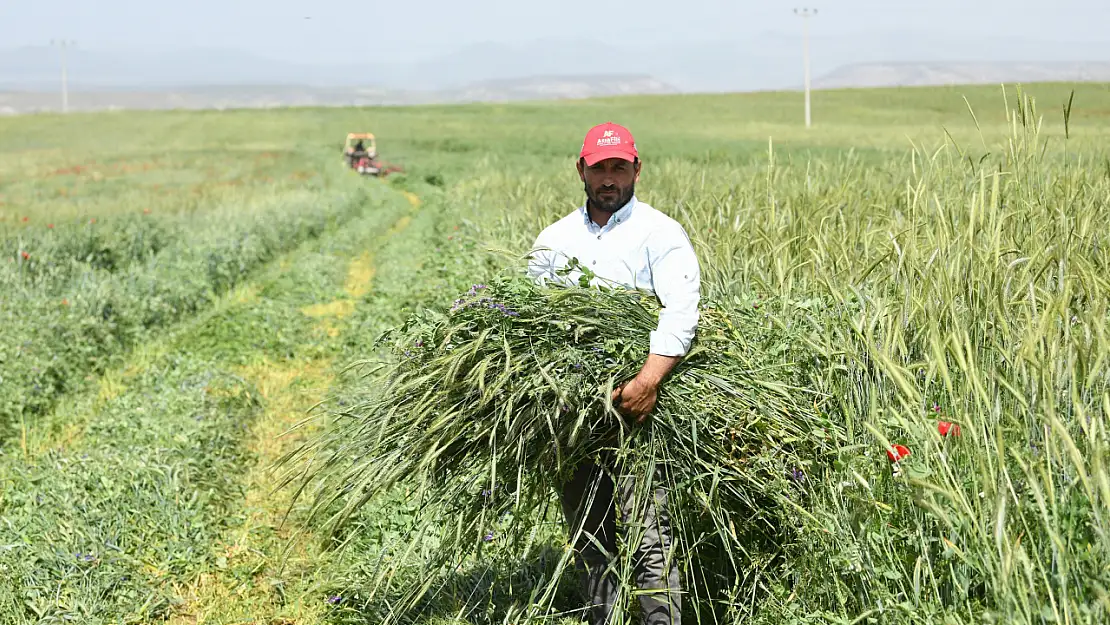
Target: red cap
[[608, 141]]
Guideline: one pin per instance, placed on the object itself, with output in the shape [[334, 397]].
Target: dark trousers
[[593, 503]]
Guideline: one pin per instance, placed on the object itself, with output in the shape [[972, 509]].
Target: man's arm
[[541, 265], [677, 280]]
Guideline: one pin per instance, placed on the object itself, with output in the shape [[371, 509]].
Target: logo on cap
[[609, 138]]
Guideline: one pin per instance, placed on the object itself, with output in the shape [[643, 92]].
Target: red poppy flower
[[26, 218], [25, 255], [898, 452], [50, 226], [945, 428]]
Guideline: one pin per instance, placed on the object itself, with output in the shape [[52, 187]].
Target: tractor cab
[[361, 143]]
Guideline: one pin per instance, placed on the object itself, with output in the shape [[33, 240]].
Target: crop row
[[77, 296], [121, 498]]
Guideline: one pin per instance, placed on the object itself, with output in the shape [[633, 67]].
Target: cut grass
[[111, 510], [71, 313], [266, 571], [256, 578], [95, 528]]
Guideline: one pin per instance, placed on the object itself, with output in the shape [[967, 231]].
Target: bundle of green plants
[[483, 410]]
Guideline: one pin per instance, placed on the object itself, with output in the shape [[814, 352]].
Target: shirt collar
[[618, 217]]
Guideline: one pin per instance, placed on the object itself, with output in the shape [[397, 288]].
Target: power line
[[805, 14], [62, 44]]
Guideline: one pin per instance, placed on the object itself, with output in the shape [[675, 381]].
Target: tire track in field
[[259, 582]]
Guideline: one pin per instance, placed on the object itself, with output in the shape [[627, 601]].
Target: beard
[[611, 205]]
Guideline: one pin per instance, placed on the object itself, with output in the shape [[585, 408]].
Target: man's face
[[609, 183]]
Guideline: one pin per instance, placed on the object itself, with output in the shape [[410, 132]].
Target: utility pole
[[62, 44], [805, 14]]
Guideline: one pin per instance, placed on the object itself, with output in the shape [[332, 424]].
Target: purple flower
[[797, 475], [488, 537], [334, 599], [487, 492]]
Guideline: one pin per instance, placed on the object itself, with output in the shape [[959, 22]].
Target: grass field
[[181, 288]]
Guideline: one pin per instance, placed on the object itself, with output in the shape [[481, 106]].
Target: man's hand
[[637, 397]]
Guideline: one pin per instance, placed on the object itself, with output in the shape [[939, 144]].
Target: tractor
[[361, 153]]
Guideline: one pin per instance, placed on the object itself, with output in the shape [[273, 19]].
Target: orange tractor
[[361, 154]]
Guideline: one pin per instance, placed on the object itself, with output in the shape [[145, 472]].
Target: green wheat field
[[181, 289]]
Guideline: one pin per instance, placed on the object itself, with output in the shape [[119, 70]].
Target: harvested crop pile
[[486, 407]]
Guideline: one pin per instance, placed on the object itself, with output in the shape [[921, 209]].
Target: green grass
[[114, 501], [79, 297], [964, 255]]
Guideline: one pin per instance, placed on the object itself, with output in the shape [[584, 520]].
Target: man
[[623, 240]]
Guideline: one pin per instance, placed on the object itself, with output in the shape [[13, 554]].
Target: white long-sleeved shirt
[[640, 248]]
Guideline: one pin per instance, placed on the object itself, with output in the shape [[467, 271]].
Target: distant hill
[[935, 74], [272, 96], [558, 88], [159, 78], [769, 60]]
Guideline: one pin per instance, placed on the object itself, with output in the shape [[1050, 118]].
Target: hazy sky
[[396, 30]]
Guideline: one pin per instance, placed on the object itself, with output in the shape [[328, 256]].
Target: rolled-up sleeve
[[676, 278]]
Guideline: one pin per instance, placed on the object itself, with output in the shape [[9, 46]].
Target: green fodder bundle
[[486, 408]]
